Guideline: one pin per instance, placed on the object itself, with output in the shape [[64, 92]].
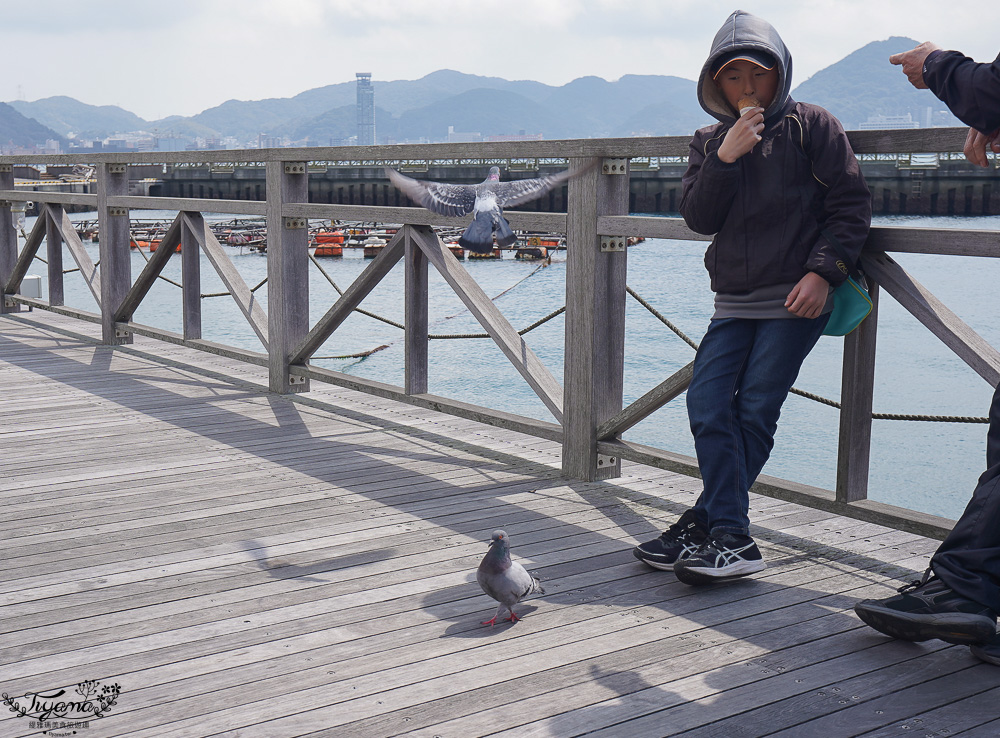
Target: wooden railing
[[587, 407]]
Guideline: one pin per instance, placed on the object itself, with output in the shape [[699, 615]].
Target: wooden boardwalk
[[247, 564]]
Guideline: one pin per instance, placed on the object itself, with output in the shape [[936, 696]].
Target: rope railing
[[810, 395], [909, 417]]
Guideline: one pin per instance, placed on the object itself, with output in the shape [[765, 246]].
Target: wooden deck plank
[[969, 714], [351, 547], [599, 637], [578, 684], [903, 690], [255, 564]]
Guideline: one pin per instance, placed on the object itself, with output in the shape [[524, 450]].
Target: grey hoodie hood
[[744, 31]]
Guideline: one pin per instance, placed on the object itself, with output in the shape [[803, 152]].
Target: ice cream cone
[[747, 103]]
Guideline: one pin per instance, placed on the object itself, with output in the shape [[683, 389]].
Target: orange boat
[[150, 246], [329, 249], [457, 250], [329, 237], [153, 245]]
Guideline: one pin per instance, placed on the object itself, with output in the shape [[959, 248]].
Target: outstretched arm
[[970, 90]]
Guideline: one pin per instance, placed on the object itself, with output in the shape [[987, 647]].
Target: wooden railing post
[[8, 239], [191, 280], [416, 321], [116, 259], [53, 251], [595, 317], [287, 273], [856, 397]]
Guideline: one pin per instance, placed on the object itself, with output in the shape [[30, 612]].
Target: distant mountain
[[248, 118], [586, 107], [177, 126], [665, 117], [66, 115], [864, 84], [485, 111], [334, 126], [18, 130], [593, 107], [856, 88]]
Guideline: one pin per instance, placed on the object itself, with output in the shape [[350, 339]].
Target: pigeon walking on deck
[[504, 580], [486, 200]]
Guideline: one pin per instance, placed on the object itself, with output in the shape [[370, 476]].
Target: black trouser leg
[[968, 560]]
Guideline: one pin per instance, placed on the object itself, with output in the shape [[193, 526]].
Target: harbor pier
[[245, 543], [942, 183]]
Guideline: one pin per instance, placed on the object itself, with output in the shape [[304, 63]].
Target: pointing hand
[[912, 62]]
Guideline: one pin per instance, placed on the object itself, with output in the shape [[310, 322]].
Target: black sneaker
[[721, 557], [677, 542], [930, 609], [989, 651]]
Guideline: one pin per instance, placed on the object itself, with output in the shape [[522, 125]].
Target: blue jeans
[[742, 374]]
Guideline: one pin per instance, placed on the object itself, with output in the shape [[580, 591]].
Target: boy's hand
[[975, 146], [743, 136], [912, 62], [808, 297]]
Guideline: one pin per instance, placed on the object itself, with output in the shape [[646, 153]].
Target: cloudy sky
[[183, 56]]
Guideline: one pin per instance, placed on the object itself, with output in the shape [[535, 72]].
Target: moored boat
[[373, 245], [328, 249], [494, 254], [532, 252]]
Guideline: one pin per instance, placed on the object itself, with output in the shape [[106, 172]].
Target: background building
[[366, 109]]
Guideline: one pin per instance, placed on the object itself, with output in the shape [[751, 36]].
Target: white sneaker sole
[[709, 574], [663, 566]]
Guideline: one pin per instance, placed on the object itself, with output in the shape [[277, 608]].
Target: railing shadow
[[584, 565]]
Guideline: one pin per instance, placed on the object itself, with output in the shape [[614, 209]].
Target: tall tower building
[[366, 110]]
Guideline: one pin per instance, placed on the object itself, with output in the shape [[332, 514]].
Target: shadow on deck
[[244, 563]]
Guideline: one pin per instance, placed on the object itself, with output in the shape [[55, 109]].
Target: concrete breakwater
[[926, 184]]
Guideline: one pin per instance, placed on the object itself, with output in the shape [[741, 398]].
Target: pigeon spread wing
[[520, 191], [443, 199]]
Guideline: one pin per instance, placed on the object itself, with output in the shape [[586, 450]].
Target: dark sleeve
[[847, 203], [707, 188], [969, 89]]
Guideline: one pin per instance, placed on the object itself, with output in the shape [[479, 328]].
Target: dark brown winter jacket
[[766, 208]]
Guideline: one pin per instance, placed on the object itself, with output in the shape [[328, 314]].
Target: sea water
[[931, 467]]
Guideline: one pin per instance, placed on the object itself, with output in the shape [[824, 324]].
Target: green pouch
[[851, 305]]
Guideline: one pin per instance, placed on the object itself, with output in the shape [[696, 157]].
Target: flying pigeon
[[504, 580], [486, 200]]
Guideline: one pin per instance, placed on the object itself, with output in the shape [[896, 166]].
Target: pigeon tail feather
[[478, 236], [505, 236]]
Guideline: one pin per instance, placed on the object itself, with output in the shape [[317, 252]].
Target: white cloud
[[185, 56]]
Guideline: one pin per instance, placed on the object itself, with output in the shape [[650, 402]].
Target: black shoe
[[721, 557], [677, 542], [930, 609], [989, 651]]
